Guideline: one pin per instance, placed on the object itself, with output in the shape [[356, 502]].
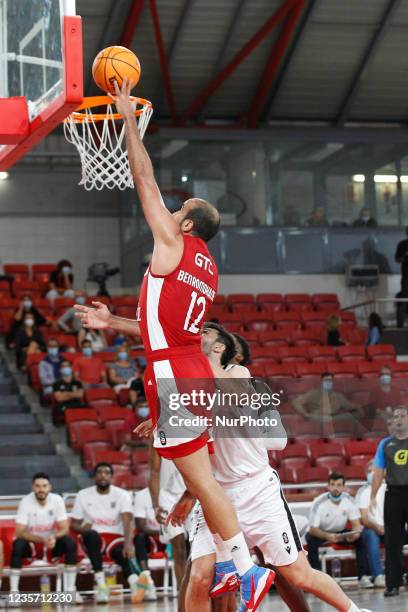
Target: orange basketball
[[114, 64]]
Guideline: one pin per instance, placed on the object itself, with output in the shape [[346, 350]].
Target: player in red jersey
[[177, 290]]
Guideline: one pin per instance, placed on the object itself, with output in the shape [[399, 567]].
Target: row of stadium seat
[[305, 354], [347, 369]]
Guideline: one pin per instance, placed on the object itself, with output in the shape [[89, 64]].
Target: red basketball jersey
[[172, 308]]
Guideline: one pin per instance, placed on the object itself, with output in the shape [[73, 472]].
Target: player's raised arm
[[164, 227], [100, 317]]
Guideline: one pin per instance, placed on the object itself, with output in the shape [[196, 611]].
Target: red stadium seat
[[116, 432], [90, 449], [295, 463], [361, 460], [287, 476], [251, 337], [329, 455], [111, 412], [312, 319], [62, 304], [293, 354], [270, 301], [44, 306], [76, 429], [360, 447], [25, 287], [220, 299], [282, 319], [351, 353], [257, 370], [345, 370], [333, 462], [400, 369], [305, 338], [125, 300], [100, 395], [129, 312], [306, 431], [311, 370], [4, 289], [19, 271], [81, 414], [259, 322], [348, 318], [128, 481], [312, 474], [325, 301], [115, 457], [381, 351], [88, 435], [140, 457], [322, 353], [353, 335], [298, 301], [42, 272], [217, 310], [354, 472], [274, 338], [369, 369], [261, 354], [287, 370], [240, 298]]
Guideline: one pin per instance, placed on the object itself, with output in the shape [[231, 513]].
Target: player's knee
[[300, 576], [19, 546], [91, 537], [200, 581]]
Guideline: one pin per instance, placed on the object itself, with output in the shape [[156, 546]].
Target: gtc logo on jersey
[[204, 262], [401, 457]]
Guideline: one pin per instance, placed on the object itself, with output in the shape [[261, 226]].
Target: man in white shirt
[[42, 530], [329, 515], [241, 464], [103, 515], [373, 521], [147, 527]]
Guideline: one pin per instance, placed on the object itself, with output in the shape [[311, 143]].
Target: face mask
[[143, 412], [385, 379], [81, 299], [370, 477], [327, 385], [66, 270], [29, 322], [87, 351], [53, 351], [27, 304], [66, 371], [122, 355], [365, 218], [334, 498]]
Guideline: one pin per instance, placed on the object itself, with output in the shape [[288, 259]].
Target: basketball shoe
[[255, 584], [225, 580]]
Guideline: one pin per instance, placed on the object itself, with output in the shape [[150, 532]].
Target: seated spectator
[[42, 527], [139, 413], [89, 369], [318, 218], [68, 392], [96, 337], [49, 369], [26, 306], [384, 397], [123, 370], [136, 389], [28, 340], [71, 324], [365, 219], [324, 402], [330, 514], [103, 515], [373, 522], [61, 281], [375, 328], [242, 355], [333, 333]]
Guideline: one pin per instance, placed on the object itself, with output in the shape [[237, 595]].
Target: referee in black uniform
[[392, 457]]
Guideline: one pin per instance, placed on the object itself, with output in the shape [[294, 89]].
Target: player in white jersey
[[166, 486], [42, 530], [256, 494], [103, 515]]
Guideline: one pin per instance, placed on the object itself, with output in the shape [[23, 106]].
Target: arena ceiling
[[329, 61]]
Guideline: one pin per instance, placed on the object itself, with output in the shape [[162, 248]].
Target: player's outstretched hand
[[122, 99], [93, 318], [145, 429]]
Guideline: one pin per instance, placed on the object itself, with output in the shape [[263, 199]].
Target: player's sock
[[70, 573], [354, 608], [14, 579], [222, 551], [240, 553], [100, 578]]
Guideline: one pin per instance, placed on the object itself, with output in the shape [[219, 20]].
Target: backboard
[[40, 71]]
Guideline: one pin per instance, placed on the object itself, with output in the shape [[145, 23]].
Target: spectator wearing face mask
[[97, 339], [122, 370], [323, 401], [49, 369], [61, 281], [88, 368], [71, 324], [68, 392], [385, 396], [375, 328], [139, 413], [373, 522], [26, 306], [28, 340], [365, 219]]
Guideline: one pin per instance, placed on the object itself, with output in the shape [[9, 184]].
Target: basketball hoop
[[100, 141]]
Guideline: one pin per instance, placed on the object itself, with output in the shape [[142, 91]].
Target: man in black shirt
[[391, 461], [68, 393]]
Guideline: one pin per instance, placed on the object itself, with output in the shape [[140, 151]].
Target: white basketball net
[[100, 141]]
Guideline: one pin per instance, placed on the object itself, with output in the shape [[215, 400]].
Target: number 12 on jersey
[[201, 303]]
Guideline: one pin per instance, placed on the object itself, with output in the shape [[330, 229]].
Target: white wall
[[82, 240]]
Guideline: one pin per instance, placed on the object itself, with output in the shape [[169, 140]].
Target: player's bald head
[[200, 218]]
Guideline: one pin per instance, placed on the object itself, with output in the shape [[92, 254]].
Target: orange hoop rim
[[94, 101]]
